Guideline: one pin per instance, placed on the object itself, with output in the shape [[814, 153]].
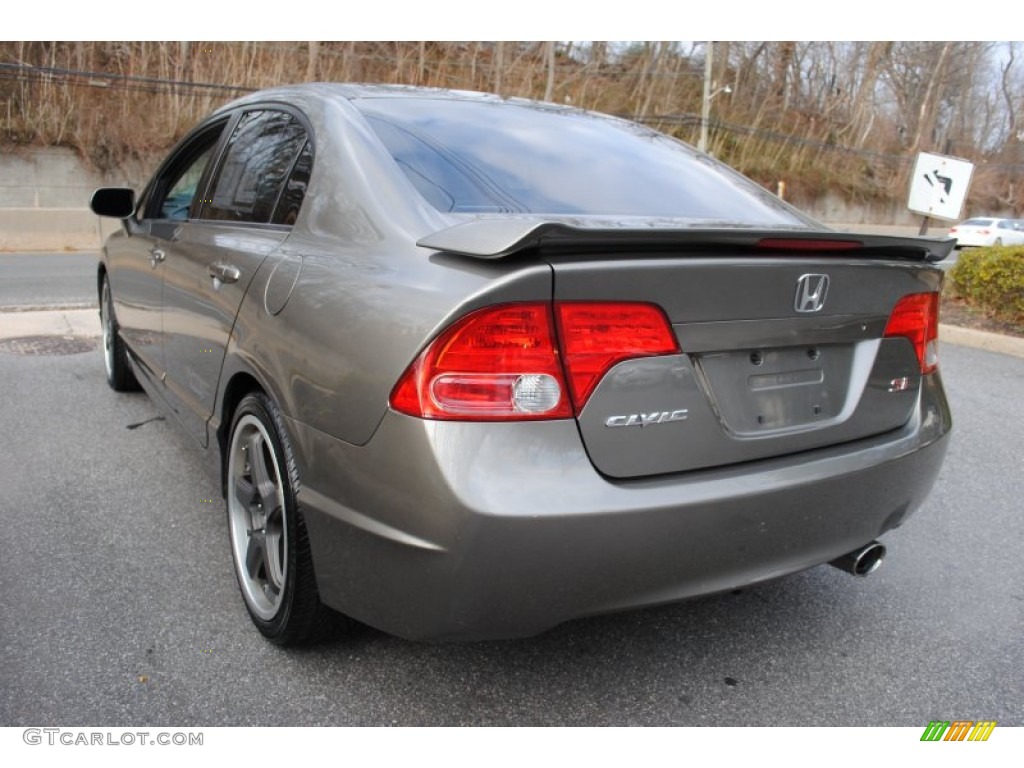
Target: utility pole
[[705, 108]]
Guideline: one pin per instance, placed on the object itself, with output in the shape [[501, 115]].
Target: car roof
[[349, 91]]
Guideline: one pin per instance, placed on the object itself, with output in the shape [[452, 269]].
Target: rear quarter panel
[[354, 319]]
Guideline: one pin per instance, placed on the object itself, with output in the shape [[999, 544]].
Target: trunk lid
[[781, 352]]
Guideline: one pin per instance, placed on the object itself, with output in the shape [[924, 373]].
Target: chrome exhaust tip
[[862, 561]]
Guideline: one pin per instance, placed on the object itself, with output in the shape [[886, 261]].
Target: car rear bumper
[[469, 531], [974, 241]]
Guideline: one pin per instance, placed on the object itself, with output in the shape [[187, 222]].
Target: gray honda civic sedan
[[468, 367]]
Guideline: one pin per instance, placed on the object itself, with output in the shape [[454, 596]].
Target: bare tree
[[1005, 89], [549, 56], [311, 61]]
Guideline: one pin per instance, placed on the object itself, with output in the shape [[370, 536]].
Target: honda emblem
[[810, 293]]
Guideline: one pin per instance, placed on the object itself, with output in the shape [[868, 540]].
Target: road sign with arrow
[[938, 186]]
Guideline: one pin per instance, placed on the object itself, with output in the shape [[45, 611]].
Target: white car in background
[[988, 231]]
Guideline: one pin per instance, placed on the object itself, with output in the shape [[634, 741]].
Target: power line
[[30, 73]]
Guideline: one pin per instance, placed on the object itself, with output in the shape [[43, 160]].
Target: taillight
[[916, 317], [597, 335], [495, 364], [505, 362]]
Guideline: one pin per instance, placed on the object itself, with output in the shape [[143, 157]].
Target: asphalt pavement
[[47, 280], [120, 608]]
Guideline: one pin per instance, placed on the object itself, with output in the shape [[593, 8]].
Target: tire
[[269, 543], [120, 376], [998, 243]]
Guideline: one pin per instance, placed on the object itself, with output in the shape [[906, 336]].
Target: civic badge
[[810, 293]]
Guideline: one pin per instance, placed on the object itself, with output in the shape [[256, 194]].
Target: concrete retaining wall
[[44, 200], [50, 229]]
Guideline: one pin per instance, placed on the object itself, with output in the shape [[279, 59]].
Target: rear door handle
[[156, 255], [225, 273]]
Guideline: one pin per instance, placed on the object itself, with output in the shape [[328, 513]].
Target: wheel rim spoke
[[273, 551], [266, 486], [254, 555], [245, 492], [263, 560]]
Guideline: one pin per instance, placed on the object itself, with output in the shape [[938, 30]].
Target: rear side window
[[260, 157], [295, 188]]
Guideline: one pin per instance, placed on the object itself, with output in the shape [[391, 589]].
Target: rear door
[[245, 214], [780, 354]]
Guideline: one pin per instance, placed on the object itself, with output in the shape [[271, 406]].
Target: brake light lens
[[495, 364], [597, 335], [916, 317], [507, 362], [789, 244]]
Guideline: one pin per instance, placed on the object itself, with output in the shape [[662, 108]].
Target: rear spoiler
[[498, 238]]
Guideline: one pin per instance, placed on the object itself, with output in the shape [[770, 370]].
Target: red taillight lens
[[495, 364], [916, 317], [503, 363], [597, 335]]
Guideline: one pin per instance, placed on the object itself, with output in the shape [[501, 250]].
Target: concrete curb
[[86, 322], [993, 342]]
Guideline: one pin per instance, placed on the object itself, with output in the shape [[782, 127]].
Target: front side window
[[176, 188], [259, 159], [179, 198]]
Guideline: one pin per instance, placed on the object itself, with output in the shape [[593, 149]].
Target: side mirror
[[116, 202]]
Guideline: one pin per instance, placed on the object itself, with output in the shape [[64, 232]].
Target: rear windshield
[[977, 223], [490, 157]]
